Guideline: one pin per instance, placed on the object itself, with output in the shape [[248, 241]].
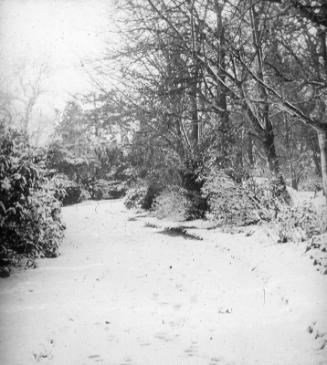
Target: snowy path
[[125, 294]]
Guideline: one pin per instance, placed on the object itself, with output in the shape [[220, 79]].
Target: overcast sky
[[63, 34]]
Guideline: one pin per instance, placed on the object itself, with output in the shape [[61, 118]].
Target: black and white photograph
[[163, 182]]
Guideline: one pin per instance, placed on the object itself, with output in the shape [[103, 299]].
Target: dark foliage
[[101, 173], [142, 195], [68, 191], [180, 231], [75, 166], [104, 189], [193, 184], [152, 192], [30, 224]]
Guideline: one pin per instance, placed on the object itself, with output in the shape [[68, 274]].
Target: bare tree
[[19, 99]]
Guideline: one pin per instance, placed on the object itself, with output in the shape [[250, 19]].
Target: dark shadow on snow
[[180, 231]]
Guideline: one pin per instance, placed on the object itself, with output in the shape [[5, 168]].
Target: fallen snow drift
[[123, 292]]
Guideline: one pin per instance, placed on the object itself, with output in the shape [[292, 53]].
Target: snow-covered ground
[[124, 292]]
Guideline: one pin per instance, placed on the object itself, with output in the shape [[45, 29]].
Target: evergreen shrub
[[68, 191], [30, 223]]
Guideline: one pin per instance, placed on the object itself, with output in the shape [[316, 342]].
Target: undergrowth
[[30, 222]]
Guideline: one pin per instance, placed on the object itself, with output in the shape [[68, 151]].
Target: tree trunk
[[224, 126], [194, 113], [194, 81], [322, 138], [250, 154], [314, 146], [264, 110], [279, 185], [295, 179], [269, 145]]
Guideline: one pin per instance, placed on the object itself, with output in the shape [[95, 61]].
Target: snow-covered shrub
[[198, 207], [68, 191], [298, 223], [234, 203], [321, 220], [69, 163], [311, 182], [142, 195], [173, 203], [30, 224], [135, 196], [104, 189]]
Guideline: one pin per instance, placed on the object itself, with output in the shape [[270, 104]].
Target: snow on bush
[[234, 203], [301, 222], [68, 191], [135, 197], [173, 203], [30, 224]]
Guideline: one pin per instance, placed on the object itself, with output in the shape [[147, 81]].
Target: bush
[[233, 203], [141, 195], [101, 172], [311, 182], [103, 189], [153, 190], [179, 203], [135, 197], [69, 163], [299, 223], [30, 224], [172, 202], [198, 207], [68, 191]]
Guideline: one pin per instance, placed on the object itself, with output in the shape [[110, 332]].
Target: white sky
[[63, 34]]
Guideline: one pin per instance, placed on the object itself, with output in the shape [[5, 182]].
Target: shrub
[[298, 223], [233, 203], [192, 182], [311, 182], [135, 196], [103, 189], [153, 190], [172, 202], [100, 172], [267, 196], [73, 165], [68, 191], [321, 219], [179, 203], [198, 206], [142, 195], [30, 224]]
